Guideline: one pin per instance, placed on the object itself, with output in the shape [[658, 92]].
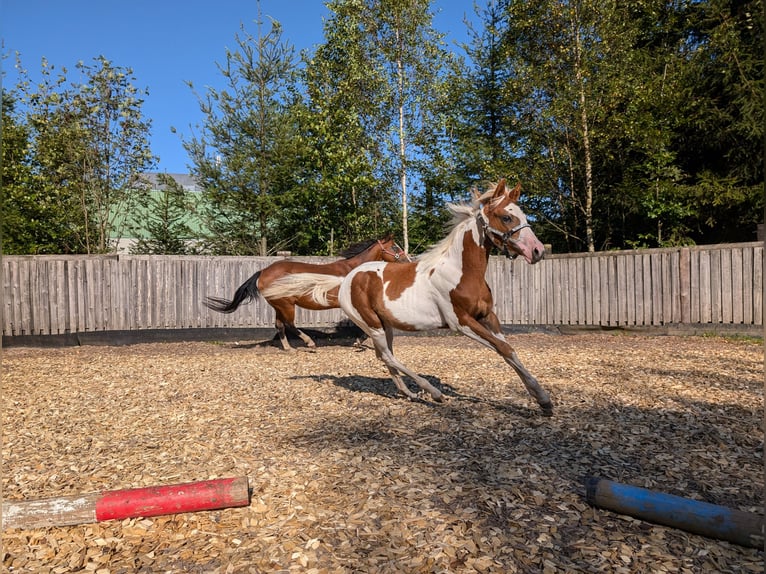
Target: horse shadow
[[339, 337], [380, 386], [384, 387]]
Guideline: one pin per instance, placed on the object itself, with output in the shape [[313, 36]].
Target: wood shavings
[[348, 476]]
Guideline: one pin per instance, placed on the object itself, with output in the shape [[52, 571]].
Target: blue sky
[[166, 43]]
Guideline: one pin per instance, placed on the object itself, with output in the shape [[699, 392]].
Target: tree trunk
[[402, 149], [585, 137]]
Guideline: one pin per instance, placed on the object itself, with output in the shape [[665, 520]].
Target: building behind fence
[[699, 286]]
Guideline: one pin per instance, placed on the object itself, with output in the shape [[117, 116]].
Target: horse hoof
[[438, 398], [547, 409]]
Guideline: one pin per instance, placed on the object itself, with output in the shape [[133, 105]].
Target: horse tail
[[316, 286], [247, 292]]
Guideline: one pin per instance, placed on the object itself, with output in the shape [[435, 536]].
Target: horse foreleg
[[541, 396], [488, 332], [383, 341], [400, 384]]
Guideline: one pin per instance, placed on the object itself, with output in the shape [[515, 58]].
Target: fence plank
[[748, 286], [613, 288], [549, 291], [603, 272], [685, 284], [727, 304], [622, 291], [758, 258], [737, 290], [715, 287], [27, 298], [8, 304], [667, 288]]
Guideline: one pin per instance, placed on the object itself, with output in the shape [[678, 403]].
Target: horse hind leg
[[304, 337], [281, 333], [286, 320], [383, 347]]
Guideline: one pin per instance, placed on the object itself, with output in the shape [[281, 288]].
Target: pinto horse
[[445, 287], [286, 283]]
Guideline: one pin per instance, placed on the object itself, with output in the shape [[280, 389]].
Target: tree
[[164, 218], [405, 49], [107, 109], [485, 108], [719, 138], [340, 197], [23, 224], [40, 214], [244, 155], [89, 146], [622, 118]]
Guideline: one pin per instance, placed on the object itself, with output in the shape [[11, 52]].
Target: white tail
[[316, 285]]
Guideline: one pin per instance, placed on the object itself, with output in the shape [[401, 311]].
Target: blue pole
[[711, 520]]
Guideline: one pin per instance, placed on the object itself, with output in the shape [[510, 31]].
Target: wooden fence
[[710, 285]]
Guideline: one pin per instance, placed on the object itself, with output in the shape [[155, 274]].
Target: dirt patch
[[348, 476]]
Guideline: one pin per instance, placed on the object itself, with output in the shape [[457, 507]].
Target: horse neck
[[466, 245], [372, 253], [476, 256]]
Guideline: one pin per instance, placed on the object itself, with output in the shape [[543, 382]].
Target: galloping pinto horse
[[445, 287], [286, 283]]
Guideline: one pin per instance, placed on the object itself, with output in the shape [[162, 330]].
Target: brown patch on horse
[[366, 290], [472, 294], [399, 278]]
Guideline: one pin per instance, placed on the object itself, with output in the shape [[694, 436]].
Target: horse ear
[[515, 193], [500, 189]]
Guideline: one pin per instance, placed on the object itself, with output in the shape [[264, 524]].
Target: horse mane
[[361, 246], [462, 213]]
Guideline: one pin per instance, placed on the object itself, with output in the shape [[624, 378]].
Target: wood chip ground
[[348, 476]]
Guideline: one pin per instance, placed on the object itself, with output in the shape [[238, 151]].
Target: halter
[[505, 238], [394, 254]]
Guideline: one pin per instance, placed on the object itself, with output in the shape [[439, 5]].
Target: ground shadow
[[381, 386], [341, 337], [385, 387]]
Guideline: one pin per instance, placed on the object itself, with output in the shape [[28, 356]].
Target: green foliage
[[115, 147], [341, 191], [23, 215], [418, 62], [244, 155], [88, 143], [165, 217], [628, 125]]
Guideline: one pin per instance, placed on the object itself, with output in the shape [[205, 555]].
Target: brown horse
[[445, 287], [287, 283]]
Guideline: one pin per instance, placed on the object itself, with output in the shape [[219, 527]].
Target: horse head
[[506, 226], [391, 252]]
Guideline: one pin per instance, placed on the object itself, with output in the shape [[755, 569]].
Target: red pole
[[130, 503]]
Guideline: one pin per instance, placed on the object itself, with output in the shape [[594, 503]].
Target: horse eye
[[505, 219]]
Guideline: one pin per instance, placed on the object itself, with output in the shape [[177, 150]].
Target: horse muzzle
[[529, 247]]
